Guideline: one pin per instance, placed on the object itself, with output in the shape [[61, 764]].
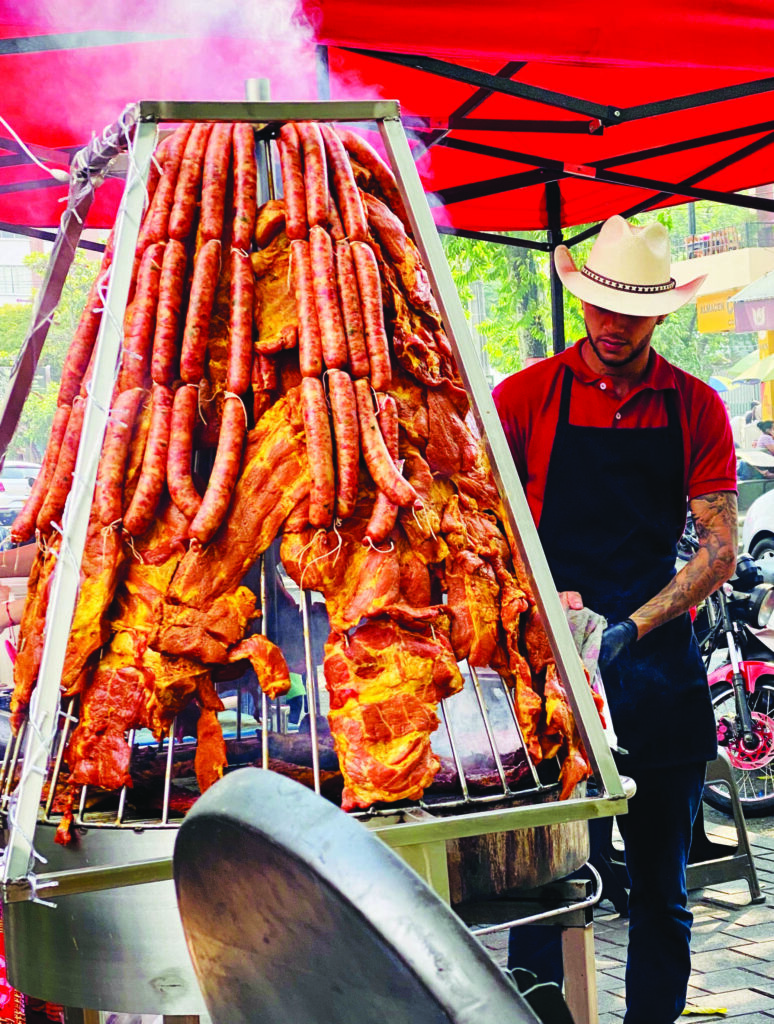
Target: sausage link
[[378, 459], [245, 186], [188, 181], [309, 342], [153, 472], [364, 153], [23, 525], [385, 512], [319, 450], [225, 471], [347, 193], [370, 288], [240, 349], [214, 176], [179, 480], [315, 172], [81, 347], [195, 334], [326, 298], [335, 227], [139, 334], [156, 223], [349, 296], [345, 430], [292, 182], [108, 494], [62, 477], [165, 340]]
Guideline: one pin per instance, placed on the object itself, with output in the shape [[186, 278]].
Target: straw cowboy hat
[[628, 271]]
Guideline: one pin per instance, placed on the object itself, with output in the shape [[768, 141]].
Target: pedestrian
[[613, 445], [765, 439]]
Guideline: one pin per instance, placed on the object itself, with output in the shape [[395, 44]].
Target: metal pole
[[44, 706], [503, 468], [323, 74], [554, 235]]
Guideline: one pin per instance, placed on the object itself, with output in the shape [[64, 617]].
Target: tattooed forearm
[[715, 518]]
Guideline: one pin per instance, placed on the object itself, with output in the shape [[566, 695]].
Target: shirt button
[[618, 415], [603, 386]]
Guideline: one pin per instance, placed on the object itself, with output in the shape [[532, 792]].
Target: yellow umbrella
[[763, 369]]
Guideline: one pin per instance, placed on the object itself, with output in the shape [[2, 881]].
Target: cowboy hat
[[628, 271]]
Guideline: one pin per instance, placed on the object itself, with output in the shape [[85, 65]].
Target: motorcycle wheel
[[753, 772]]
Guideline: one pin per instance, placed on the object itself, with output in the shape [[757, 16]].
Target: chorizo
[[156, 223], [195, 334], [81, 347], [188, 180], [369, 286], [350, 310], [319, 450], [335, 227], [139, 333], [225, 471], [23, 525], [380, 465], [385, 512], [240, 349], [267, 367], [171, 284], [109, 490], [309, 342], [332, 337], [292, 182], [341, 394], [217, 158], [179, 476], [347, 193], [245, 185], [315, 172], [153, 472], [62, 477], [367, 156]]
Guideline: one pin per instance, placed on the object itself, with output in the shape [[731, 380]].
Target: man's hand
[[571, 599], [615, 639]]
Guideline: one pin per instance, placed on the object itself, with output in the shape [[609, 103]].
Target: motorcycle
[[738, 651]]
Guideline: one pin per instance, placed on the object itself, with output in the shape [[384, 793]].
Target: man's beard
[[617, 362]]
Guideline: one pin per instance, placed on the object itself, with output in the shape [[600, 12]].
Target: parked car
[[16, 480], [758, 529]]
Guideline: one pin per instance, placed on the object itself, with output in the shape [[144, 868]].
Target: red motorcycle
[[738, 650]]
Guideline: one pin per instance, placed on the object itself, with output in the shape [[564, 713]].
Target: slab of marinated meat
[[385, 683]]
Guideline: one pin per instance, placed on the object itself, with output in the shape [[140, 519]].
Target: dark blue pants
[[657, 837]]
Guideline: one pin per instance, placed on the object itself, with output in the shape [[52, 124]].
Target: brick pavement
[[732, 943]]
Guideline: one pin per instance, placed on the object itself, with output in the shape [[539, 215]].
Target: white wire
[[56, 174]]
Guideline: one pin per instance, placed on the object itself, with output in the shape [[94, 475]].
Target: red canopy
[[504, 99]]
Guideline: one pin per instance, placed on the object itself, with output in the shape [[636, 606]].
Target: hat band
[[624, 286]]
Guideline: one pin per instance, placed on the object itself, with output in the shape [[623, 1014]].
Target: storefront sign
[[754, 315], [714, 313]]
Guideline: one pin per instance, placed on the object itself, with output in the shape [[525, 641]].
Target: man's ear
[[662, 318]]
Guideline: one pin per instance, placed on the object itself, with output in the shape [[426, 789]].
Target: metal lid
[[295, 912]]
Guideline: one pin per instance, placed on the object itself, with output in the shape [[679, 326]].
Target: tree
[[15, 321]]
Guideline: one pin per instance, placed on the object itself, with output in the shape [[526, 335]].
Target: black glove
[[614, 640]]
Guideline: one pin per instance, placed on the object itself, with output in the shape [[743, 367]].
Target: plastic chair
[[293, 911]]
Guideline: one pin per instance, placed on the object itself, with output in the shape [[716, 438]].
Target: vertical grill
[[465, 811]]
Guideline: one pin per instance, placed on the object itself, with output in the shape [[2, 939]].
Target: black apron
[[613, 511]]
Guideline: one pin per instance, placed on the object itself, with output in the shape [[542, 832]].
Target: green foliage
[[15, 320], [515, 321]]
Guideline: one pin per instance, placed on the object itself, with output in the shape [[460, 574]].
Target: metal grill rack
[[432, 821]]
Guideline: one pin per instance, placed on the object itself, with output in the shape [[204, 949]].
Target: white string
[[381, 551], [233, 394], [56, 174]]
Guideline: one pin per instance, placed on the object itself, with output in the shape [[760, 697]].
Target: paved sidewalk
[[732, 943]]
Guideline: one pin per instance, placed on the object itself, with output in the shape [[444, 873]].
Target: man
[[612, 444]]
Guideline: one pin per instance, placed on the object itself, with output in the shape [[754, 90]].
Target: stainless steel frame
[[415, 834]]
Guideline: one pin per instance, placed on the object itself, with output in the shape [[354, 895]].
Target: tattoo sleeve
[[715, 518]]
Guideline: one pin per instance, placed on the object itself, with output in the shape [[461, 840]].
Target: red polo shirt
[[528, 404]]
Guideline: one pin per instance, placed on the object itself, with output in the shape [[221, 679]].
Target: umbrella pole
[[554, 235]]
